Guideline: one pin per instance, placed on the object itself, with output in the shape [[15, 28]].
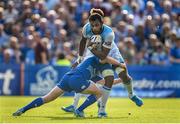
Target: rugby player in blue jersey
[[78, 80], [101, 35]]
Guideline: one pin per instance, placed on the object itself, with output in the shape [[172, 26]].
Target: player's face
[[96, 26]]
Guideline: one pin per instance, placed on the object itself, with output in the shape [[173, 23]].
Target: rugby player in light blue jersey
[[75, 80], [101, 35]]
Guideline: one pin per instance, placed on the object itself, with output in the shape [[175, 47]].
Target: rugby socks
[[100, 87], [89, 101], [76, 99], [104, 98], [129, 88], [35, 103]]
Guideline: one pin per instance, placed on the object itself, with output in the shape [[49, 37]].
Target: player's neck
[[101, 30]]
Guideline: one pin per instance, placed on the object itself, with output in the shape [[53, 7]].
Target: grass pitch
[[120, 110]]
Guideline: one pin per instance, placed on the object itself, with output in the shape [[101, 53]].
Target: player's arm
[[100, 54], [106, 47], [116, 81], [82, 47], [112, 61]]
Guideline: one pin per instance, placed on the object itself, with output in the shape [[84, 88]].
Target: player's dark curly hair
[[96, 14]]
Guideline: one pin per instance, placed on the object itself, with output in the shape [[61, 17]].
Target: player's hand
[[90, 43], [74, 65], [79, 60], [122, 65]]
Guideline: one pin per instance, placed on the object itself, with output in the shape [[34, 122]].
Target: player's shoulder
[[108, 32], [86, 25], [107, 29], [86, 29]]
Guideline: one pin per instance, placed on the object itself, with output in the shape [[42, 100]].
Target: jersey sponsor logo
[[107, 43]]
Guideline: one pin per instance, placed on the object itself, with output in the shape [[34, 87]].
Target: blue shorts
[[73, 82]]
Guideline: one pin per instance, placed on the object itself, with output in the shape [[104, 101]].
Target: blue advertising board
[[148, 81], [40, 79], [9, 79], [152, 81]]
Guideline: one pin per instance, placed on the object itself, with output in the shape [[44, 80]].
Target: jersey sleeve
[[109, 39]]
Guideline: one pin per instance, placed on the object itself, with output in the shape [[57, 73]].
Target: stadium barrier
[[149, 81]]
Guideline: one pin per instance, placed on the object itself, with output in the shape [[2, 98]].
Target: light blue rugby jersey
[[107, 34], [108, 37]]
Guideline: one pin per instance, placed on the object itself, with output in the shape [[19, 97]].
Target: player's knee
[[122, 74], [46, 99], [107, 72], [109, 81], [120, 70]]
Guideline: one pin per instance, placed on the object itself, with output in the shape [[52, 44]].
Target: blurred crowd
[[49, 31]]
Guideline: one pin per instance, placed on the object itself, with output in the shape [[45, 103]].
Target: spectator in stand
[[14, 47], [7, 57], [151, 48], [175, 53], [2, 21], [67, 49], [159, 57], [150, 9], [139, 18], [149, 27], [11, 53], [10, 14], [62, 60], [3, 36], [130, 19], [61, 21], [142, 57], [131, 32], [30, 55], [120, 31], [129, 50], [166, 31], [140, 37], [84, 18], [41, 52], [42, 27], [116, 15], [51, 17], [167, 6], [176, 6]]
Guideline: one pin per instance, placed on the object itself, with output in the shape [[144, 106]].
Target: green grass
[[153, 111]]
